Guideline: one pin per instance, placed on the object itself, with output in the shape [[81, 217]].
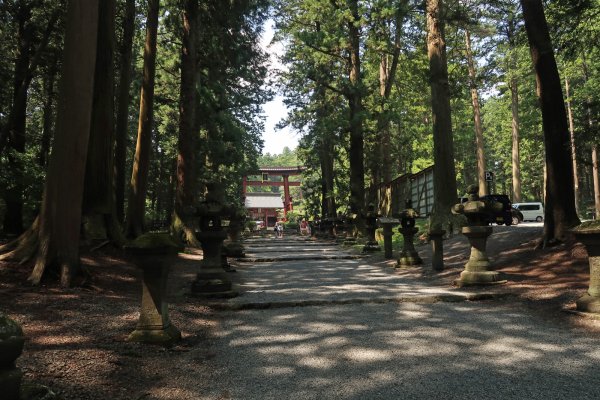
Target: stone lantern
[[234, 246], [588, 233], [351, 220], [153, 254], [388, 224], [11, 346], [409, 255], [477, 231], [212, 280], [327, 228], [371, 227]]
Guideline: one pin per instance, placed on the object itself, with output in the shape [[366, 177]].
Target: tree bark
[[444, 176], [60, 216], [513, 85], [123, 108], [596, 180], [48, 118], [185, 192], [141, 161], [13, 195], [476, 117], [326, 149], [99, 217], [559, 214], [356, 117], [516, 163], [573, 148]]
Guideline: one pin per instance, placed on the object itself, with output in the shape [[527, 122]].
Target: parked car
[[533, 211], [508, 215]]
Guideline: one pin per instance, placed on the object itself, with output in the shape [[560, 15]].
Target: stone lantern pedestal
[[477, 268], [436, 237], [350, 239], [409, 255], [340, 229], [234, 246], [153, 254], [326, 228], [588, 233], [11, 347], [212, 280], [388, 224]]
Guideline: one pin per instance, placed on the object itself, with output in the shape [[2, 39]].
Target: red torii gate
[[284, 172]]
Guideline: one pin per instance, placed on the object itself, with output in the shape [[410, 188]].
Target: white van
[[531, 211]]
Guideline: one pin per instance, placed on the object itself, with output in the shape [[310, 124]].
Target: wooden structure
[[417, 187], [266, 173]]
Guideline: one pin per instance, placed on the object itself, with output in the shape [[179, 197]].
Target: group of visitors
[[278, 230]]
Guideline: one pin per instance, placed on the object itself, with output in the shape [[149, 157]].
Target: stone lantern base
[[436, 236], [409, 256], [588, 233], [477, 268], [212, 280]]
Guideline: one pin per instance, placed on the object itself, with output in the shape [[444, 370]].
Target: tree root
[[23, 248], [185, 232]]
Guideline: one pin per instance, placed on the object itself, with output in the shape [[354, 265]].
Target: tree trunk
[[573, 148], [13, 195], [48, 118], [356, 117], [514, 106], [60, 216], [387, 75], [123, 108], [476, 117], [596, 180], [185, 192], [99, 217], [560, 214], [326, 149], [444, 176], [590, 126], [141, 161], [516, 163]]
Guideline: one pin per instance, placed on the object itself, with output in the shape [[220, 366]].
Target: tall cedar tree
[[99, 215], [122, 117], [476, 115], [141, 161], [356, 118], [60, 216], [184, 196], [444, 176], [560, 213]]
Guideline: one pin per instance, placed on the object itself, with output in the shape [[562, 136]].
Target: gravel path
[[402, 351], [319, 328], [377, 334]]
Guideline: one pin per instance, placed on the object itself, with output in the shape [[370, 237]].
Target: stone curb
[[299, 258], [425, 299]]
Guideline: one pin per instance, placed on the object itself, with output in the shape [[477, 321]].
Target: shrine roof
[[263, 200], [288, 170]]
